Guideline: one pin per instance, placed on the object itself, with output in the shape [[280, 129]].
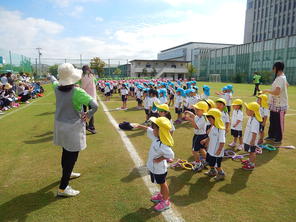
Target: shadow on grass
[[240, 177], [140, 215], [42, 140], [135, 173], [138, 133], [46, 113], [18, 208], [183, 125], [45, 134]]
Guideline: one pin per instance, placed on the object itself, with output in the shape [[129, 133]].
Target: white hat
[[68, 75]]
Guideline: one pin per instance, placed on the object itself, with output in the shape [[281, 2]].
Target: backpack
[[125, 126]]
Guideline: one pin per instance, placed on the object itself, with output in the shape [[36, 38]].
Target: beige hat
[[7, 86], [68, 75]]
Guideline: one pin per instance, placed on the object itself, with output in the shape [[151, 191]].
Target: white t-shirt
[[173, 127], [192, 100], [227, 97], [139, 94], [225, 118], [178, 101], [153, 100], [251, 127], [282, 99], [203, 96], [201, 123], [237, 115], [264, 112], [163, 100], [158, 149], [124, 91], [146, 102], [4, 80], [216, 136], [186, 101], [172, 91], [107, 89]]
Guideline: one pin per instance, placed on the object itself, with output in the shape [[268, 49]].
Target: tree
[[154, 72], [191, 70], [117, 71], [97, 64], [53, 70], [144, 72]]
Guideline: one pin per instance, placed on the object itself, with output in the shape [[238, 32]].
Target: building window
[[148, 65], [275, 8], [173, 66]]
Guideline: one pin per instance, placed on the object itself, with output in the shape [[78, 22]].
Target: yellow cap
[[264, 100], [221, 100], [202, 105], [237, 102], [162, 107], [216, 113], [255, 107], [165, 126], [7, 86], [211, 103]]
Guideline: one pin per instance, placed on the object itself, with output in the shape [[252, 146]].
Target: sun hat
[[264, 100], [202, 105], [237, 102], [216, 113], [255, 107], [165, 126], [206, 90], [68, 75], [7, 86], [162, 107], [211, 103], [221, 100], [225, 88]]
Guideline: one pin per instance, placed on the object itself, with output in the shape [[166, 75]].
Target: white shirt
[[186, 101], [227, 97], [173, 127], [178, 101], [264, 112], [251, 127], [163, 100], [172, 91], [124, 91], [201, 123], [158, 149], [146, 102], [203, 96], [107, 89], [282, 99], [237, 115], [192, 100], [216, 136], [153, 100], [4, 80], [225, 118], [139, 94]]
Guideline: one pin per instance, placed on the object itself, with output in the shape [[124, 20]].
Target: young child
[[199, 123], [107, 91], [221, 105], [206, 92], [162, 96], [164, 111], [139, 94], [153, 99], [264, 111], [124, 94], [178, 105], [172, 93], [215, 143], [251, 133], [227, 95], [160, 153], [192, 100], [146, 103], [237, 124], [186, 99]]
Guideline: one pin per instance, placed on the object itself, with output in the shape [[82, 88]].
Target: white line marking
[[170, 215], [24, 106]]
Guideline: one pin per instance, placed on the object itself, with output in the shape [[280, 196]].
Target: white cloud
[[66, 3], [183, 2], [99, 19], [76, 12]]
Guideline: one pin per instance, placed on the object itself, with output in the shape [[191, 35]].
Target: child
[[215, 143], [164, 111], [153, 94], [107, 91], [186, 100], [264, 111], [227, 97], [211, 105], [146, 103], [162, 96], [139, 94], [237, 123], [124, 93], [172, 93], [199, 123], [206, 92], [160, 153], [221, 105], [178, 105], [251, 133], [192, 100]]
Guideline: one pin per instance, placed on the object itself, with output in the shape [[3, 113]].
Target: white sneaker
[[75, 175], [233, 144], [68, 192], [240, 147]]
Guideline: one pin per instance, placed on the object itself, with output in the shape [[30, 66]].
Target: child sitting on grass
[[251, 133], [237, 124], [215, 143], [199, 123], [160, 153], [264, 111]]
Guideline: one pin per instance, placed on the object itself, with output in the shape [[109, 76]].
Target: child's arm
[[221, 145], [142, 127], [191, 120], [236, 124], [252, 142], [205, 142], [219, 93], [264, 120]]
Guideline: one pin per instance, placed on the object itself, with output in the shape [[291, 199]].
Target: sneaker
[[204, 163], [162, 205], [269, 138], [219, 176], [91, 130], [157, 198], [75, 175], [68, 192], [211, 173], [248, 167], [233, 144], [277, 142], [198, 167], [240, 147], [245, 162]]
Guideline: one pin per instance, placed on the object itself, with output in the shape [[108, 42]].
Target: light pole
[[39, 65]]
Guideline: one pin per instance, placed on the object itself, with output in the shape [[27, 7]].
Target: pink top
[[88, 84]]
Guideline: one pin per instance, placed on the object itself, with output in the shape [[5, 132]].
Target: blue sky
[[125, 29]]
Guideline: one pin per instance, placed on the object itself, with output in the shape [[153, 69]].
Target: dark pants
[[276, 127], [68, 162], [90, 124], [256, 89], [25, 98]]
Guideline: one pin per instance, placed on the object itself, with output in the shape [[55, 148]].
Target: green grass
[[111, 188]]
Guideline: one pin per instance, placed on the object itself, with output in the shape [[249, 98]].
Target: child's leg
[[196, 156], [203, 153], [252, 158], [240, 140], [164, 190], [234, 139]]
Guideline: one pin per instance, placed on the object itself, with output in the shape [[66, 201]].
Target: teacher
[[278, 103], [69, 127]]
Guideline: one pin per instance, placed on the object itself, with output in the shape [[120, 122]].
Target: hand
[[203, 142], [84, 117], [157, 160], [218, 152], [265, 91]]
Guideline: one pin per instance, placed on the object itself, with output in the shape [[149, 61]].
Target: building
[[269, 19], [241, 61], [171, 69]]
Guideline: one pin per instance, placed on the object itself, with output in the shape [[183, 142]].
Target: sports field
[[112, 188]]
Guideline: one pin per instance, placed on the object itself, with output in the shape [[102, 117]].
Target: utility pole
[[39, 58]]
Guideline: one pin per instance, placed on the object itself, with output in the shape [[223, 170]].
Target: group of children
[[211, 122]]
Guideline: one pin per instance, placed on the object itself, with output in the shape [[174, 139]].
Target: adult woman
[[69, 130], [88, 83], [278, 103]]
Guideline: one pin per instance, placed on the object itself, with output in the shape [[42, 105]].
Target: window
[[275, 8], [250, 5], [173, 66], [148, 65], [284, 20]]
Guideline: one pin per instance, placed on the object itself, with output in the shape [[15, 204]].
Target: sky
[[116, 29]]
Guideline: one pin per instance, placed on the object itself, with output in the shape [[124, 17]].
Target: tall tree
[[97, 64], [117, 71], [191, 70], [53, 70]]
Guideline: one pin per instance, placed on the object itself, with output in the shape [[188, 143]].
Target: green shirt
[[256, 79]]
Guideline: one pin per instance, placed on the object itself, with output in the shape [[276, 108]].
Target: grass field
[[111, 187]]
